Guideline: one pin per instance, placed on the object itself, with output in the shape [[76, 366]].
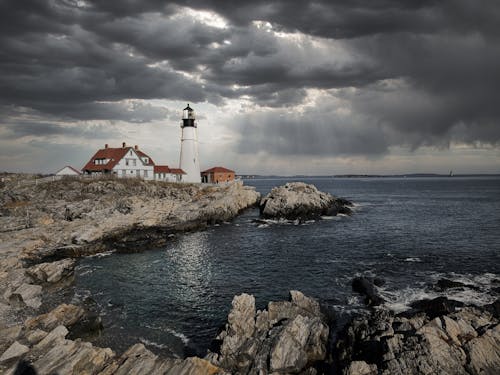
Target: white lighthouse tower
[[189, 162]]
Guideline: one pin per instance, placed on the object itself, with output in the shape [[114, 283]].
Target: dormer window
[[145, 160]]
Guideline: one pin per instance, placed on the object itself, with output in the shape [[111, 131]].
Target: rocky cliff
[[72, 217]]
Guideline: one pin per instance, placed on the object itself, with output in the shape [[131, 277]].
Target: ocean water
[[409, 231]]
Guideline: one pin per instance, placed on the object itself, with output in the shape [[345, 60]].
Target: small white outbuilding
[[68, 171]]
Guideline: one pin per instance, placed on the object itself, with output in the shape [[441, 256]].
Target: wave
[[101, 255], [413, 259], [179, 335], [477, 290]]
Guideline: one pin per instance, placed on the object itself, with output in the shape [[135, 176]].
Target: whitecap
[[413, 259], [151, 343], [101, 255]]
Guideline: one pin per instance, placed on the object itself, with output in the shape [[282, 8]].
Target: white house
[[128, 161], [68, 171]]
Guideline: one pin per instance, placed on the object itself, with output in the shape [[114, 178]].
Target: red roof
[[162, 169], [177, 171], [143, 155], [218, 170], [114, 155]]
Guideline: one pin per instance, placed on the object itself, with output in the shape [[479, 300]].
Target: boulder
[[64, 314], [297, 200], [52, 272], [302, 341], [16, 350], [28, 294], [366, 287], [437, 306]]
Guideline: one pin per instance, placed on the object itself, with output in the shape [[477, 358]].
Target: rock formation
[[297, 200], [466, 341], [74, 217], [288, 337]]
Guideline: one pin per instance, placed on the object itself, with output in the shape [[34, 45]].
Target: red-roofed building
[[164, 173], [127, 161], [217, 175]]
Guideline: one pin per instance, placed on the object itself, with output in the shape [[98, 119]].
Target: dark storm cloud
[[39, 129], [423, 72]]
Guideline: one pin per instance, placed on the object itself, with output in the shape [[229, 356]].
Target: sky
[[279, 87]]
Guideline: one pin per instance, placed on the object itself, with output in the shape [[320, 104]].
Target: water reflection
[[191, 266]]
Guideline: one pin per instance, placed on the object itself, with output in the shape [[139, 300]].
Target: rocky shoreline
[[300, 335]]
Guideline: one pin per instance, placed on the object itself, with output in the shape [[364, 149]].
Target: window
[[145, 173], [134, 162], [126, 161], [138, 173], [145, 160], [123, 172]]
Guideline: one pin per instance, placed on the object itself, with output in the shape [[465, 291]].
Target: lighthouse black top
[[188, 117]]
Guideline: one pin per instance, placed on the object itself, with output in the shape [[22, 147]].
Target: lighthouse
[[189, 162]]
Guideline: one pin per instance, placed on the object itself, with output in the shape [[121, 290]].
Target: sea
[[411, 232]]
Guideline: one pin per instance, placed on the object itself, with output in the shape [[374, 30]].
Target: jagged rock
[[290, 336], [297, 200], [28, 294], [34, 337], [138, 360], [365, 286], [16, 350], [8, 335], [52, 272], [462, 342], [484, 352], [302, 341], [240, 326], [66, 315], [437, 306]]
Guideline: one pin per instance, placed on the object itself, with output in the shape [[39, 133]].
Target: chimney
[[136, 147], [106, 145], [123, 145]]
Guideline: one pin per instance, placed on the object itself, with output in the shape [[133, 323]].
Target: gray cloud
[[415, 73]]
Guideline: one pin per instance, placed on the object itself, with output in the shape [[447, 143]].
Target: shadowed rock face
[[449, 342], [297, 200]]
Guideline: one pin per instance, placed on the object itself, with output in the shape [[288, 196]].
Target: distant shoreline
[[409, 175]]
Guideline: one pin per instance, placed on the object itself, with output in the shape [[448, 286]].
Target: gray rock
[[361, 368], [240, 324], [52, 272], [64, 314], [16, 350], [29, 294], [297, 200], [302, 341], [290, 336], [462, 342]]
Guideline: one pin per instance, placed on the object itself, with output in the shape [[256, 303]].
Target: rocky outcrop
[[465, 341], [288, 337], [42, 347], [297, 200], [74, 217]]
